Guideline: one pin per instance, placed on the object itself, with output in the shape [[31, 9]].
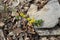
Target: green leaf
[[38, 22], [17, 17]]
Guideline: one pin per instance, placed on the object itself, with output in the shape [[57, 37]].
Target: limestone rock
[[32, 9], [1, 8], [1, 35], [44, 38], [14, 3], [52, 38], [1, 24], [14, 14], [49, 13]]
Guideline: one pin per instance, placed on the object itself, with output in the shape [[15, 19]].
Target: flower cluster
[[31, 20]]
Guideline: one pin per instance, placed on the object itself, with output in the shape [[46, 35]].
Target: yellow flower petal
[[28, 19], [33, 20], [21, 14], [24, 16]]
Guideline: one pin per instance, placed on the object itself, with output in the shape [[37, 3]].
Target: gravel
[[13, 28]]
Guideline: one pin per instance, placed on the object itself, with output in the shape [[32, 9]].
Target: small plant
[[30, 20], [38, 22]]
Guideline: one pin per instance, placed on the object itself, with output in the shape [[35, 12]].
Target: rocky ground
[[50, 38], [14, 27]]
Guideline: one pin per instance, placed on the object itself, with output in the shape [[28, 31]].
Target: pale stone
[[14, 14], [1, 8], [32, 9], [49, 13], [53, 38], [2, 35], [28, 0], [56, 32], [11, 33], [43, 32], [22, 0], [44, 38], [1, 24], [14, 3]]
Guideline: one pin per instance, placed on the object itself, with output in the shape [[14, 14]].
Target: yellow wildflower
[[28, 19], [21, 14], [32, 21], [24, 16]]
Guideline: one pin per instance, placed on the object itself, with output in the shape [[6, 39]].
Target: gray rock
[[1, 35], [20, 38], [44, 38], [14, 3], [43, 32], [53, 38], [48, 32], [11, 33], [32, 9], [1, 24], [49, 13], [56, 32], [29, 0], [1, 8], [22, 0]]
